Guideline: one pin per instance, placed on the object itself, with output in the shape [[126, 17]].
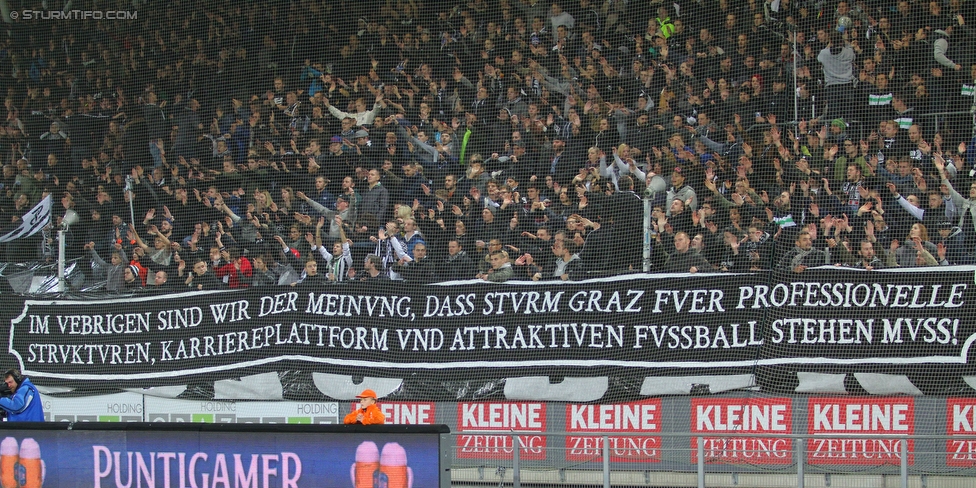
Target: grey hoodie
[[838, 68], [940, 47]]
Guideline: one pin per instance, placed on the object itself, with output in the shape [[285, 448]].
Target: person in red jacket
[[233, 269], [368, 413]]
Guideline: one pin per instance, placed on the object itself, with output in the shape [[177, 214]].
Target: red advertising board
[[615, 421], [406, 413], [711, 417], [409, 413], [860, 415], [502, 417], [961, 420]]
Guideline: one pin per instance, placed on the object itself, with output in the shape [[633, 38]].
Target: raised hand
[[939, 162], [734, 244], [831, 152], [710, 184], [892, 188], [828, 222], [843, 223], [917, 242]]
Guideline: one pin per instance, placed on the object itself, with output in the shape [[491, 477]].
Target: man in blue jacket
[[24, 405]]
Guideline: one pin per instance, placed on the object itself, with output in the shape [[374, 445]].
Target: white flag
[[32, 222]]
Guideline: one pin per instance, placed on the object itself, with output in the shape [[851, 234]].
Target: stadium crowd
[[310, 142]]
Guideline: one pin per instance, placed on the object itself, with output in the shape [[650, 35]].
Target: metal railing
[[693, 460], [857, 129], [933, 121]]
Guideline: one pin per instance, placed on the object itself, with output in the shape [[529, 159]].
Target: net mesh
[[578, 202]]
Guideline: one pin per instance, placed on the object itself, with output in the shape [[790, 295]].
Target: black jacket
[[457, 267]]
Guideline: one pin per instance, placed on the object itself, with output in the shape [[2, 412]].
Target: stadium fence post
[[516, 469], [904, 462], [701, 462], [800, 447]]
